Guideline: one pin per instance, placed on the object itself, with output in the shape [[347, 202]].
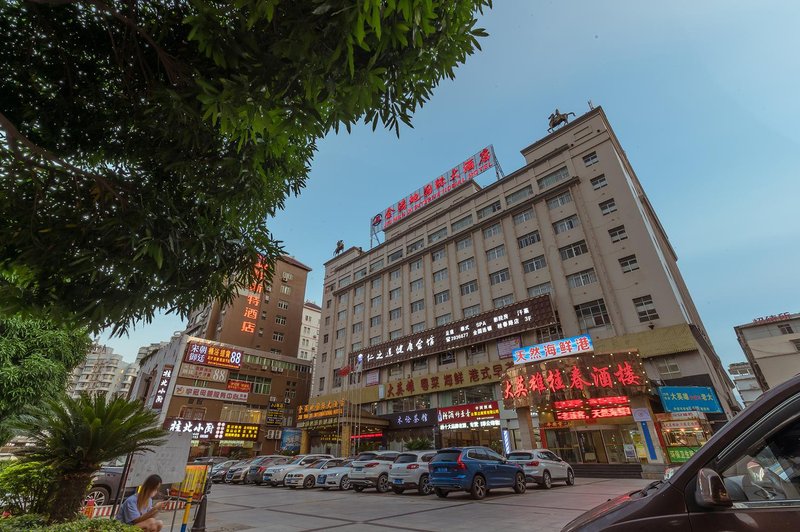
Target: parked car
[[410, 471], [274, 476], [336, 477], [259, 464], [307, 476], [105, 483], [213, 460], [745, 478], [543, 467], [475, 470], [237, 473], [371, 470], [219, 471]]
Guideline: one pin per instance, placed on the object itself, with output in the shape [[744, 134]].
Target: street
[[236, 507]]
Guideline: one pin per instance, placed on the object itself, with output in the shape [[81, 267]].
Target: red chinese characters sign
[[213, 355], [239, 386], [446, 380], [445, 183], [592, 408]]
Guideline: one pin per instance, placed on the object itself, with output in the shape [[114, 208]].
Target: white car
[[336, 477], [307, 477], [542, 466], [410, 471], [274, 476], [371, 470]]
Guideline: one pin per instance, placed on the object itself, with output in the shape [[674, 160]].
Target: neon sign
[[575, 345], [209, 355]]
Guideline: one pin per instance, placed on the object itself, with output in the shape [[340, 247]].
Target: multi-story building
[[772, 347], [309, 334], [102, 372], [568, 245], [745, 381]]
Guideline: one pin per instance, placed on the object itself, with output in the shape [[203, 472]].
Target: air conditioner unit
[[269, 288], [265, 368], [273, 398], [287, 401]]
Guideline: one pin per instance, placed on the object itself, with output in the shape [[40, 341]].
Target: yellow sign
[[193, 484], [320, 410]]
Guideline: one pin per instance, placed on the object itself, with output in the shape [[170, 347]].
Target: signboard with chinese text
[[411, 420], [435, 189], [559, 348], [775, 317], [239, 386], [209, 393], [515, 318], [213, 355], [679, 455], [162, 386], [475, 415], [203, 373], [686, 424], [506, 346], [592, 408], [213, 430], [372, 377], [320, 410], [669, 416], [446, 380], [687, 398]]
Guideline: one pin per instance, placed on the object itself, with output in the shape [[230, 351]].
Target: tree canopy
[[143, 145]]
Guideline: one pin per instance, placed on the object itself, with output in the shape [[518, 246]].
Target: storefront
[[472, 424], [412, 426], [339, 428], [683, 434], [218, 438]]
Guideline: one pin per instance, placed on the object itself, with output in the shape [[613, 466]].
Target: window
[[283, 305], [582, 278], [280, 320], [277, 336], [343, 298], [570, 222], [667, 366], [629, 263], [499, 277], [464, 243], [448, 357], [321, 383], [559, 201], [415, 265], [785, 328], [598, 182], [374, 321], [590, 159], [341, 315], [491, 231], [573, 250], [796, 344], [437, 255], [337, 379], [419, 364], [325, 339], [418, 327], [502, 301], [548, 334], [645, 308], [327, 320], [395, 313], [618, 233], [488, 210], [444, 319], [338, 353], [529, 239], [416, 285], [377, 265], [523, 216], [375, 283], [463, 223], [540, 290], [419, 244], [394, 294], [437, 235], [375, 302], [286, 289], [418, 305], [324, 357], [358, 309], [344, 281], [608, 206], [440, 275], [374, 340], [358, 327], [536, 263], [519, 195], [441, 297], [553, 177], [397, 255], [359, 291], [469, 288], [474, 310], [466, 265], [592, 314], [396, 370], [394, 335], [339, 333], [496, 252], [360, 274]]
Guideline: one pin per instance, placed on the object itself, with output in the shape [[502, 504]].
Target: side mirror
[[710, 491]]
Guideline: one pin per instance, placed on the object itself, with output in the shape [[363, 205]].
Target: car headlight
[[333, 475]]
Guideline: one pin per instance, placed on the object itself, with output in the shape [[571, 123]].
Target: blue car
[[475, 470]]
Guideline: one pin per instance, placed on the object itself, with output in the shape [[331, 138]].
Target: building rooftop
[[293, 261], [312, 305], [766, 320]]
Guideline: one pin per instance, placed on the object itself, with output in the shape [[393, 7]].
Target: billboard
[[565, 347], [211, 355], [476, 415], [209, 393], [213, 430], [290, 440], [689, 398]]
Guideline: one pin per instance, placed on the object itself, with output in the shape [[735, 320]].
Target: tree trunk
[[69, 496]]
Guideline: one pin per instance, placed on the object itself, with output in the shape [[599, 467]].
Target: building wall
[[772, 348], [102, 372], [309, 332]]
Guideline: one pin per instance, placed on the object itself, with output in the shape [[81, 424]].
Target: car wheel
[[383, 483], [519, 483], [424, 487], [345, 483], [309, 482], [258, 482], [478, 488], [547, 480], [359, 489], [440, 492], [570, 478], [397, 490], [273, 484], [99, 495]]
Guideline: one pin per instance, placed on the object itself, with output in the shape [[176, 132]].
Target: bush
[[22, 523], [36, 523], [26, 487], [419, 444]]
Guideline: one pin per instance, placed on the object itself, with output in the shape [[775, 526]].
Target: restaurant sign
[[476, 415], [592, 408], [203, 373], [213, 430], [411, 420], [239, 386], [522, 316], [320, 410], [213, 355], [565, 347], [163, 385], [210, 393], [687, 398]]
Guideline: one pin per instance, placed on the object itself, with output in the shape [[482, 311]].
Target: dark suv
[[746, 478], [473, 469]]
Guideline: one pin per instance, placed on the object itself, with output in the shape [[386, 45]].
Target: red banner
[[240, 386]]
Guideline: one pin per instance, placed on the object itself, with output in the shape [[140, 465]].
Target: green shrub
[[26, 487], [36, 523], [419, 444], [22, 523]]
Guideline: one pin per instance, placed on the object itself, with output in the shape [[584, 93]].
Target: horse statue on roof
[[556, 119], [339, 247]]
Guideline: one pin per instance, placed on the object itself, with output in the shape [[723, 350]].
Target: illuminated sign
[[413, 419], [681, 425], [592, 408], [320, 410], [370, 436], [445, 183], [596, 413], [686, 398], [559, 348], [775, 317], [211, 355], [163, 385], [203, 373], [213, 430], [209, 393], [522, 316], [239, 386], [445, 380], [476, 415]]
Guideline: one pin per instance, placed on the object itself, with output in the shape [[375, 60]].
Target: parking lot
[[238, 507]]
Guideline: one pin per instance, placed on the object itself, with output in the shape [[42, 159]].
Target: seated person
[[138, 509]]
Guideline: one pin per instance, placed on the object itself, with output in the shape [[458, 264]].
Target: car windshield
[[297, 461], [406, 459], [520, 456], [446, 456], [315, 464], [366, 456]]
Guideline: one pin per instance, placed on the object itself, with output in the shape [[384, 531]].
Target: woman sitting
[[138, 509]]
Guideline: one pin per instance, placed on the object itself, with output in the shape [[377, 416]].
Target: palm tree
[[75, 436]]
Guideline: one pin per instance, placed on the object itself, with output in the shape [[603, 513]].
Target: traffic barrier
[[104, 512]]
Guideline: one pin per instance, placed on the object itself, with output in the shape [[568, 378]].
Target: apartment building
[[102, 372], [772, 347], [309, 333], [745, 381]]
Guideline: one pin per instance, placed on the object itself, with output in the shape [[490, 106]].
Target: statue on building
[[557, 118], [339, 247]]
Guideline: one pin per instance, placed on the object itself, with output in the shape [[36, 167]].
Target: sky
[[703, 97]]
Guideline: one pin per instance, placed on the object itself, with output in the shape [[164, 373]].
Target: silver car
[[542, 467]]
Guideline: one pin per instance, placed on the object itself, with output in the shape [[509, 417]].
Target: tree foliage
[[26, 487], [36, 358], [144, 144]]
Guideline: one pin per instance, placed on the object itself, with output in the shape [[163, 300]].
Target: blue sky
[[702, 95]]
